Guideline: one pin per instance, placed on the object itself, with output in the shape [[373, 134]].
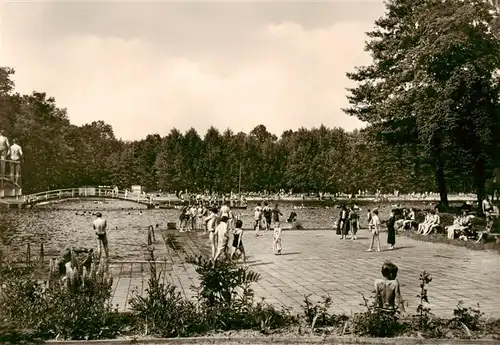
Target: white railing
[[86, 193]]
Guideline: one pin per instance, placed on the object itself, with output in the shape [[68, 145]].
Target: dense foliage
[[59, 154]]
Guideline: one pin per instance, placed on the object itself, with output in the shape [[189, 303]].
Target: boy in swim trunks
[[238, 241]]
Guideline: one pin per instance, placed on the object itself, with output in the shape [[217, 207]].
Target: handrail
[[10, 161], [87, 192]]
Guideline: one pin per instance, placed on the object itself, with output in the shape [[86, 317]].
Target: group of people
[[15, 155], [221, 223], [349, 222], [431, 222]]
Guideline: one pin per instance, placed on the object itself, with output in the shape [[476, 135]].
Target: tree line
[[59, 154], [430, 98]]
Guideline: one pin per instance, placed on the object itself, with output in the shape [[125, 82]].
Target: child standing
[[238, 241], [277, 239]]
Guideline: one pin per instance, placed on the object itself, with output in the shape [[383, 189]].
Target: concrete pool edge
[[281, 340]]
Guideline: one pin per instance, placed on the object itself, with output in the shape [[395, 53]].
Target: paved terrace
[[319, 263]]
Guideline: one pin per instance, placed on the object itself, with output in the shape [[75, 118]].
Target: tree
[[432, 82]]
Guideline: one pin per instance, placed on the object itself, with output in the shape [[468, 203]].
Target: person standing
[[391, 231], [99, 225], [344, 214], [267, 212], [238, 241], [277, 239], [210, 221], [257, 219], [222, 232], [375, 230], [353, 222], [16, 155], [4, 152], [276, 213], [487, 211]]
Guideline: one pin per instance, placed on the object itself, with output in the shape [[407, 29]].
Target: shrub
[[224, 296], [78, 308], [377, 321], [226, 300], [467, 318], [317, 315], [163, 311]]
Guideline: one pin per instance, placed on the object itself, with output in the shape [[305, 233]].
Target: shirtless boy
[[387, 289]]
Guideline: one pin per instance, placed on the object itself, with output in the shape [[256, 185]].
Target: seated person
[[387, 289], [425, 223], [292, 218], [400, 222], [435, 223], [409, 220], [461, 225]]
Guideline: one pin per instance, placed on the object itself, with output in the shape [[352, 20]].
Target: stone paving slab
[[317, 263]]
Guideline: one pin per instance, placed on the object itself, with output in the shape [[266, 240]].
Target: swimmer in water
[[99, 225]]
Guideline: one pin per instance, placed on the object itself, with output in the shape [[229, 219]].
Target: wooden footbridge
[[58, 195]]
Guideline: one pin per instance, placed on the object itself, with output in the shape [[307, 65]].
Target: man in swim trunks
[[16, 154], [4, 151], [100, 230]]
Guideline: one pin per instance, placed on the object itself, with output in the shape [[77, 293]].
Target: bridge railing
[[84, 192]]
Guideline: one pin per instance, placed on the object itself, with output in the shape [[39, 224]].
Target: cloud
[[282, 74]]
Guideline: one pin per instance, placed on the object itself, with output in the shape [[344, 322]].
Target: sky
[[145, 68]]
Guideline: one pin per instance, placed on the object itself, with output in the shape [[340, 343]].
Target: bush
[[224, 300], [76, 309], [376, 321], [317, 315], [225, 297], [163, 311], [468, 319]]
